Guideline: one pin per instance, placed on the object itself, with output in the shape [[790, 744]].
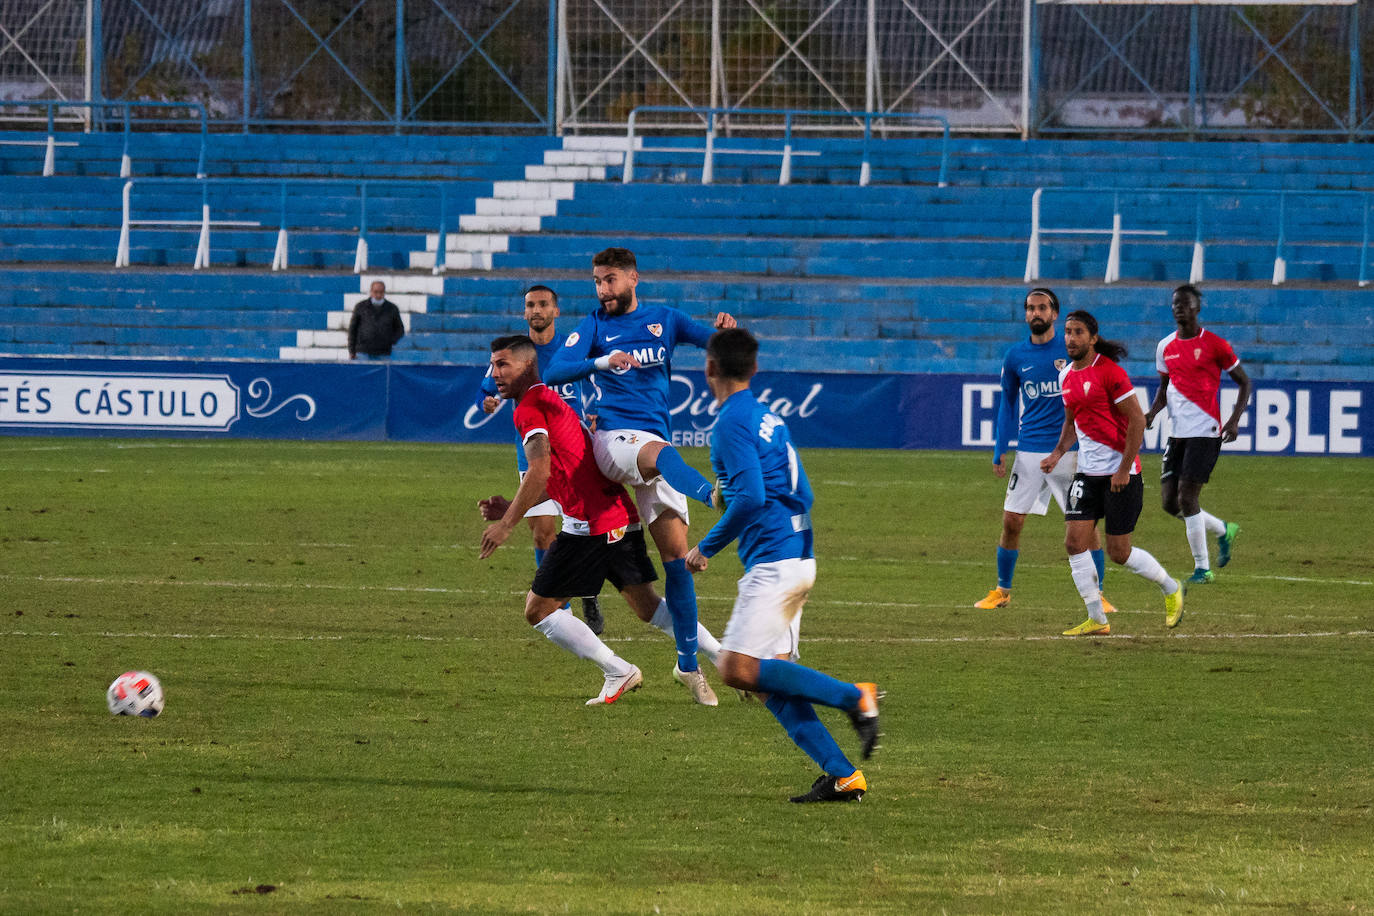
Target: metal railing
[[1200, 196], [126, 108], [711, 116], [281, 252]]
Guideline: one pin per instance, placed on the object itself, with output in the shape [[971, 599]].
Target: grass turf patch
[[358, 716]]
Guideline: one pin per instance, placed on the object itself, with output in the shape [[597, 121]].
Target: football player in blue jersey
[[629, 345], [768, 511], [1030, 382], [541, 313]]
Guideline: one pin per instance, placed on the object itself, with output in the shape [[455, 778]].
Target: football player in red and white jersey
[[1101, 410], [601, 540], [1190, 362]]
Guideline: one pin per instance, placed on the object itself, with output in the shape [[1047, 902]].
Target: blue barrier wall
[[381, 401]]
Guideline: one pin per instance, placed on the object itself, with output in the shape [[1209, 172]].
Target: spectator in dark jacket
[[376, 326]]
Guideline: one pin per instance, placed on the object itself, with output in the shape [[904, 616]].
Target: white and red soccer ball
[[135, 693]]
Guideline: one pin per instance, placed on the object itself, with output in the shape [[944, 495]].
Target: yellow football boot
[[1090, 627]]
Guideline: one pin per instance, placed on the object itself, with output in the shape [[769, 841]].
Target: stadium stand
[[899, 276]]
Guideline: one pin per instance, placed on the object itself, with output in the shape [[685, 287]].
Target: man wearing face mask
[[376, 326]]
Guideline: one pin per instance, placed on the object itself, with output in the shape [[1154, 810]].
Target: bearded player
[[629, 345], [1031, 411]]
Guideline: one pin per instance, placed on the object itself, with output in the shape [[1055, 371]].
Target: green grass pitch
[[359, 719]]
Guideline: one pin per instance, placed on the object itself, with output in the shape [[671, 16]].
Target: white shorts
[[617, 455], [547, 507], [1029, 489], [766, 620]]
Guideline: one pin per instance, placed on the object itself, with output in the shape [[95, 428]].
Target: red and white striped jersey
[[1092, 394], [1194, 366]]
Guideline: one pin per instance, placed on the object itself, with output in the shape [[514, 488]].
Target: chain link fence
[[1007, 66]]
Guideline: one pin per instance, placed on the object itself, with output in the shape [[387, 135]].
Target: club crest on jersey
[[1086, 386], [655, 329], [572, 340], [1197, 353], [1059, 364]]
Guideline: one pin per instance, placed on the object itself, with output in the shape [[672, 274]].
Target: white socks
[[563, 629], [705, 641], [1197, 540], [1215, 526], [1085, 580], [1147, 567]]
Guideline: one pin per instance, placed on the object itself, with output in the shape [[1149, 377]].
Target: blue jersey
[[1030, 379], [571, 392], [629, 398], [767, 496]]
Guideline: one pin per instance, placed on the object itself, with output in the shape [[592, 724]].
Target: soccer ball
[[135, 693]]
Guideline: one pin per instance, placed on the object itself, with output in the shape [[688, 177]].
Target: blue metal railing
[[1201, 198], [711, 116], [201, 188], [126, 109]]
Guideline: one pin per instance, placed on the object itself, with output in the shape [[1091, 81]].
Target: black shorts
[[1191, 459], [1091, 498], [577, 564]]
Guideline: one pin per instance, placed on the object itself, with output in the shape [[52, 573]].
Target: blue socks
[[682, 477], [681, 595], [1006, 566], [778, 676], [807, 732], [539, 557]]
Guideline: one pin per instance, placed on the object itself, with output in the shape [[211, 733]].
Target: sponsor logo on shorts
[[615, 534]]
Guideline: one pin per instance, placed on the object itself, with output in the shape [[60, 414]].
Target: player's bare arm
[[999, 467], [490, 403], [1231, 429], [531, 493], [1067, 435], [1129, 407], [1161, 400]]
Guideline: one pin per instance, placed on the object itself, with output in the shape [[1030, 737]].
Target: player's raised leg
[[681, 476], [791, 691]]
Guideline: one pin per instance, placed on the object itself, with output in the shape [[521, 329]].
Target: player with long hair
[[1102, 412]]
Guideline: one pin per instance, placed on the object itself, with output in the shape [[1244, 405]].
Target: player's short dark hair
[[541, 288], [1114, 350], [735, 352], [1043, 291], [1189, 289], [514, 343], [621, 258]]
